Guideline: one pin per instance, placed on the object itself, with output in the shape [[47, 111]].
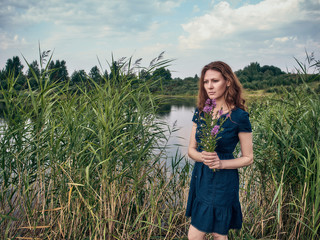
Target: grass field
[[86, 164]]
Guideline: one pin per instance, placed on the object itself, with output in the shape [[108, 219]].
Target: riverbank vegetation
[[89, 162], [253, 77], [281, 190]]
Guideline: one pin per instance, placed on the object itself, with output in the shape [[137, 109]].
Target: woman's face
[[214, 84]]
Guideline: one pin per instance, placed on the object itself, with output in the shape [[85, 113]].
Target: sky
[[192, 33]]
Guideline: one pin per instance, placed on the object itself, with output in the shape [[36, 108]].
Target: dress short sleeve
[[244, 122], [195, 117]]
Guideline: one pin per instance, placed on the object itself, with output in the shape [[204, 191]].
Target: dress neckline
[[232, 110]]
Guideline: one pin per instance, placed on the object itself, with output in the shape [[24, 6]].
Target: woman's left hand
[[212, 160]]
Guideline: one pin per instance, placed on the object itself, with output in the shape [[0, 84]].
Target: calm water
[[178, 114]]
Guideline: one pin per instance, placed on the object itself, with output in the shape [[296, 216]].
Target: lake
[[178, 113]]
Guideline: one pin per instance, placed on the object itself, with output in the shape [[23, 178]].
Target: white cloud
[[168, 5], [124, 15], [284, 39], [54, 23], [224, 22], [196, 9], [270, 32], [11, 41]]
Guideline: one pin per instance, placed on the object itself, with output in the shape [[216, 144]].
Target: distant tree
[[250, 73], [114, 71], [253, 68], [275, 70], [144, 75], [189, 79], [95, 74], [3, 80], [35, 68], [63, 72], [58, 71], [51, 66], [268, 73], [162, 73], [14, 66], [105, 75], [78, 77]]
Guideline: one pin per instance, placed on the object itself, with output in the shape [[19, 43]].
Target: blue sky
[[194, 33]]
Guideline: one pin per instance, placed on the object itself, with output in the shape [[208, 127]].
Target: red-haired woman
[[213, 202]]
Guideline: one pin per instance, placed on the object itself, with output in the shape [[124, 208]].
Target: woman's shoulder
[[239, 113], [241, 118], [239, 110], [198, 112], [196, 116]]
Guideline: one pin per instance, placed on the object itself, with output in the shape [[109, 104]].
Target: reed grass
[[83, 162], [87, 164], [280, 195]]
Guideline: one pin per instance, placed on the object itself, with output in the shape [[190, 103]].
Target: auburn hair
[[233, 93]]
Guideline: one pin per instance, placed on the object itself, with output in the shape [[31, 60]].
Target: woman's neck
[[222, 104]]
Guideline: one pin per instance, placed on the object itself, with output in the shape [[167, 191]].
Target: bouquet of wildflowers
[[211, 128]]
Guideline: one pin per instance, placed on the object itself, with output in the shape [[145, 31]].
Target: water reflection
[[166, 106], [177, 113]]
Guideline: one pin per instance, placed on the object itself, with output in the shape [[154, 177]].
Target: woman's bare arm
[[246, 158], [192, 149], [213, 161]]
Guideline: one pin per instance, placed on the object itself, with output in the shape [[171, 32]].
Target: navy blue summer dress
[[213, 201]]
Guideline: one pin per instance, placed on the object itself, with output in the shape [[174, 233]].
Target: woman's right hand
[[211, 159]]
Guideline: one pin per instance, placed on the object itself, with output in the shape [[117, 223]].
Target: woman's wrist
[[222, 164]]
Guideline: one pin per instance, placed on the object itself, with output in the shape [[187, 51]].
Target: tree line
[[252, 77], [57, 72]]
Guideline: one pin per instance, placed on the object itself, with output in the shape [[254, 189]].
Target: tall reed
[[81, 162], [281, 191], [87, 164]]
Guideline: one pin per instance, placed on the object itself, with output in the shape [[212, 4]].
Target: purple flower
[[208, 102], [228, 115], [207, 109], [215, 130], [214, 104], [220, 112], [211, 102]]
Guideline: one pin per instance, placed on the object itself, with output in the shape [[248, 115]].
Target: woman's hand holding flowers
[[211, 159], [209, 134]]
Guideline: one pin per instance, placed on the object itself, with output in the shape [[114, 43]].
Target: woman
[[213, 202]]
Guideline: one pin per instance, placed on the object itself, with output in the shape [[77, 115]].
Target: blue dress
[[213, 201]]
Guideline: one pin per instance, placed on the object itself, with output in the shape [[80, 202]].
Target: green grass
[[84, 164], [281, 195], [89, 163]]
